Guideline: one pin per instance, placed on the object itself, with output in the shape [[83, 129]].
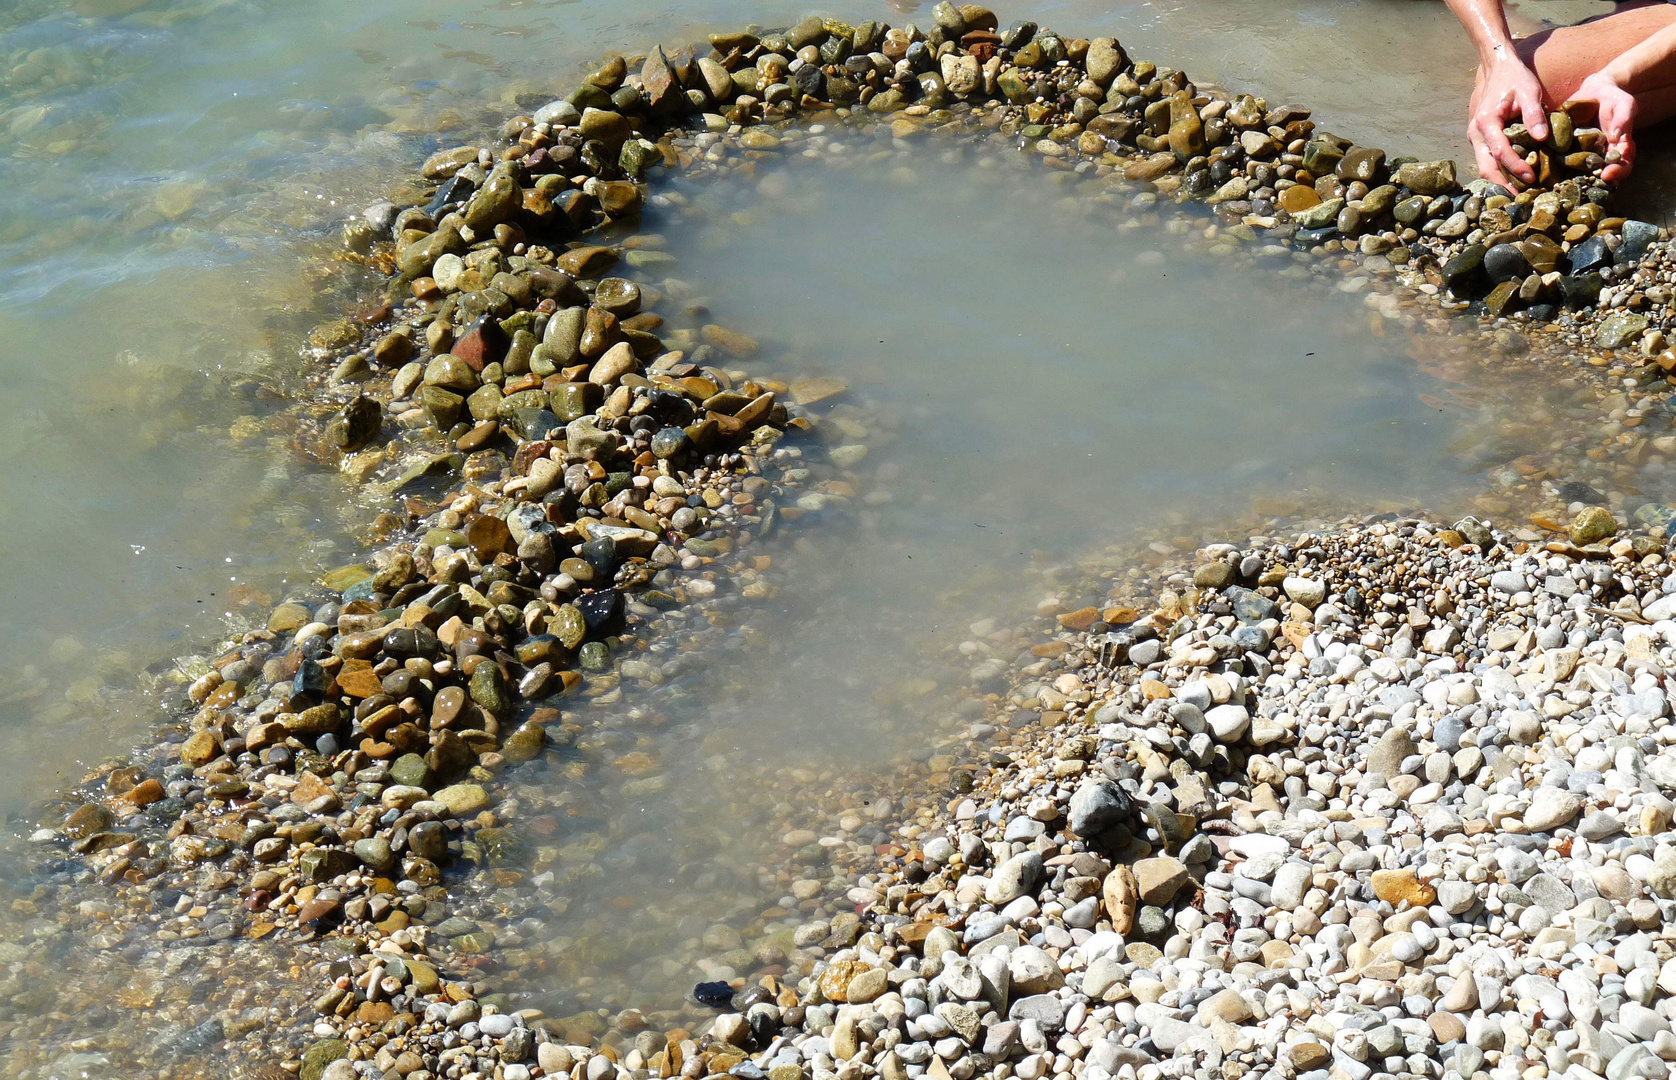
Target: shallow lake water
[[1029, 382], [1038, 380], [172, 164]]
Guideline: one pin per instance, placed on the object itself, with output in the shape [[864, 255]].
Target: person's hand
[[1616, 107], [1506, 90]]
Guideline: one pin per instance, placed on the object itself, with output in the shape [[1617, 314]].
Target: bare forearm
[[1486, 26], [1507, 90], [1648, 66]]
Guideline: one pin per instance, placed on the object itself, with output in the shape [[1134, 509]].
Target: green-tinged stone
[[337, 948], [595, 656], [530, 423], [375, 852], [524, 743], [1320, 215], [835, 49], [639, 155], [888, 101], [1237, 188], [1501, 298], [1014, 87], [485, 403], [572, 401], [1377, 201], [356, 425], [1592, 525], [463, 800], [418, 258], [1619, 329], [439, 537], [1410, 210], [488, 689], [589, 96], [1427, 177], [645, 258], [410, 770], [424, 976], [498, 200], [320, 1055], [501, 848], [568, 626], [1322, 157], [519, 322], [480, 942], [1465, 269], [523, 399], [319, 865], [288, 618], [442, 406], [451, 373], [608, 127], [345, 576]]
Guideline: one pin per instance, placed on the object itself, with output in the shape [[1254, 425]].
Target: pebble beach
[[1305, 795]]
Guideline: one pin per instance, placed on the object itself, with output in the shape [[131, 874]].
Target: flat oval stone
[[450, 702]]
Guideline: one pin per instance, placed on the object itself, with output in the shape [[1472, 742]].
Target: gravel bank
[[1377, 801]]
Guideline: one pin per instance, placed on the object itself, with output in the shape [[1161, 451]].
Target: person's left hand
[[1617, 110]]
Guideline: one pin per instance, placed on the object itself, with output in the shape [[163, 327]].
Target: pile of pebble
[[1390, 801], [1268, 172], [1280, 824]]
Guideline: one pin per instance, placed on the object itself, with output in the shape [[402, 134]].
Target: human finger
[[1619, 118], [1488, 167], [1504, 152], [1618, 170], [1532, 112]]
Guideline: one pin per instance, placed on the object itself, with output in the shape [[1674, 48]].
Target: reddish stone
[[145, 793], [526, 454], [587, 262], [309, 788], [483, 343], [658, 81], [575, 205], [360, 684], [315, 910], [599, 332], [489, 536]]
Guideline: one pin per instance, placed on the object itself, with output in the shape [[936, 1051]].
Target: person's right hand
[[1506, 90]]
